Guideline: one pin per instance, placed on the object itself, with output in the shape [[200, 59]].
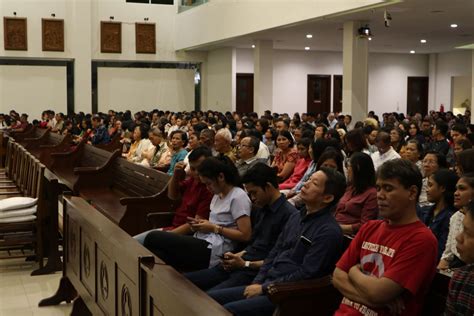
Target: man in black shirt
[[271, 214], [308, 247], [439, 143]]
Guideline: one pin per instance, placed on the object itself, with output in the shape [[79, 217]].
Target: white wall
[[223, 19], [220, 85], [32, 89], [82, 36], [460, 90], [387, 77], [452, 64], [139, 89]]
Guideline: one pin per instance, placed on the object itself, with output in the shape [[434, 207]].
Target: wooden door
[[319, 94], [417, 95], [337, 94], [244, 93]]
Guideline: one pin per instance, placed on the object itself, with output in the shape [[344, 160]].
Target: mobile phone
[[306, 241]]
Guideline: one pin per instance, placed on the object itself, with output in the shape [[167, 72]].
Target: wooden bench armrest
[[281, 291], [64, 154], [160, 219], [141, 199], [31, 139]]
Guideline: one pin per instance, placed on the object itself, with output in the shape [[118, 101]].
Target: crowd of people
[[268, 199]]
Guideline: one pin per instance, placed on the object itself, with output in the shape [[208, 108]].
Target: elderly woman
[[140, 144]]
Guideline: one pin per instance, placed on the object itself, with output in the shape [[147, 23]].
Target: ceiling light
[[253, 46], [307, 48], [309, 35], [423, 41], [370, 38], [412, 52], [454, 26]]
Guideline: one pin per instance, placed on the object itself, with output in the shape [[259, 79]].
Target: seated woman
[[413, 152], [140, 144], [450, 258], [359, 203], [301, 165], [432, 162], [330, 158], [441, 188], [397, 138], [229, 222], [286, 155]]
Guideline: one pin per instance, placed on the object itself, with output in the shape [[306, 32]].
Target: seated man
[[99, 134], [195, 197], [385, 150], [390, 264], [308, 247], [461, 288], [247, 152], [267, 223]]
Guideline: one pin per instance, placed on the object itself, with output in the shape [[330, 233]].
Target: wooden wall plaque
[[145, 38], [15, 33], [53, 35], [110, 37]]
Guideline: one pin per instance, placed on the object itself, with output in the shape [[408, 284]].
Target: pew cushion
[[15, 203], [18, 213], [18, 219]]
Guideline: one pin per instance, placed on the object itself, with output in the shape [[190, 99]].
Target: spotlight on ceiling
[[423, 41], [454, 25], [309, 35], [364, 31], [412, 52], [307, 48]]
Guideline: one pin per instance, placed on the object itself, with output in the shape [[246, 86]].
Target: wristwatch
[[247, 264]]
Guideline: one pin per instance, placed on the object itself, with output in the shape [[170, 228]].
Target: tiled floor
[[20, 292]]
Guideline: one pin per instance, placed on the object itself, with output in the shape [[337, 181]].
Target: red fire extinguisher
[[441, 108]]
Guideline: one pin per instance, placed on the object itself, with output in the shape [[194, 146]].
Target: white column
[[263, 77], [220, 80], [355, 83], [432, 73], [472, 86], [81, 48]]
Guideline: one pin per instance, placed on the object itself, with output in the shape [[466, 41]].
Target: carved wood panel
[[88, 263], [53, 35], [105, 282], [15, 33], [73, 246], [145, 38], [110, 37], [127, 295]]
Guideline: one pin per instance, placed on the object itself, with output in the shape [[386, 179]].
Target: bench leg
[[65, 293], [79, 308]]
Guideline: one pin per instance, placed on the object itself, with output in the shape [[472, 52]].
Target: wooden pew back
[[108, 268]]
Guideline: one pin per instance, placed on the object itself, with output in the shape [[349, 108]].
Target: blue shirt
[[309, 172], [308, 247], [177, 157], [267, 224], [438, 224], [101, 136]]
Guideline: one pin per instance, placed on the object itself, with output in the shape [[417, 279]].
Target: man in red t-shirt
[[194, 196], [390, 264]]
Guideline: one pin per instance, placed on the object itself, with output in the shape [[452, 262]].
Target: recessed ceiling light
[[412, 52], [309, 35], [423, 41], [253, 46], [307, 48], [370, 38], [454, 25]]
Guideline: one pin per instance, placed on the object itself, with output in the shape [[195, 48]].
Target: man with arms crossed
[[390, 264]]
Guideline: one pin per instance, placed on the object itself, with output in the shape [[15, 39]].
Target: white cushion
[[15, 203], [17, 213], [18, 219]]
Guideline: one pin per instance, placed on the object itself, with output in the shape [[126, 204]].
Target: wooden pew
[[51, 143], [34, 135], [28, 132], [319, 295], [28, 181], [113, 145], [115, 275], [82, 161], [126, 193]]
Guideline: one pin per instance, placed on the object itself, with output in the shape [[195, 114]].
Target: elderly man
[[247, 151], [385, 150], [222, 144]]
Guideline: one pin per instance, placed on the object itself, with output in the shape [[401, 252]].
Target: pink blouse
[[298, 173], [281, 158], [358, 209]]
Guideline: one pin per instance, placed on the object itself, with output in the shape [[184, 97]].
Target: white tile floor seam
[[20, 292]]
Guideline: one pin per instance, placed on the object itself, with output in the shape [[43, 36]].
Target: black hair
[[356, 138], [384, 137], [288, 136], [465, 160], [442, 127], [184, 136], [460, 128], [419, 146], [470, 209], [447, 179], [406, 172], [260, 175], [212, 167], [254, 143], [363, 172], [143, 130], [201, 151], [331, 153], [335, 184]]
